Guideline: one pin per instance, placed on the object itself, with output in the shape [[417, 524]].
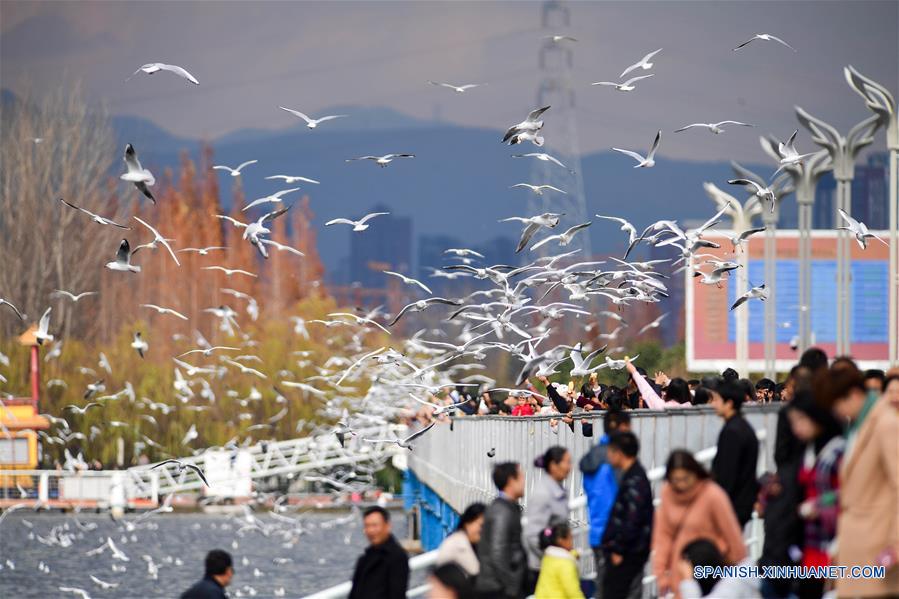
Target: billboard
[[711, 326]]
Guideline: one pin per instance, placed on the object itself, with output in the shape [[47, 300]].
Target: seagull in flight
[[382, 161], [42, 333], [310, 122], [208, 351], [763, 193], [157, 238], [122, 260], [5, 302], [654, 324], [532, 124], [407, 442], [61, 293], [235, 172], [79, 410], [229, 271], [181, 468], [643, 63], [95, 217], [281, 246], [788, 153], [627, 86], [537, 189], [564, 239], [103, 584], [559, 38], [84, 594], [544, 157], [291, 179], [717, 275], [532, 225], [642, 162], [459, 89], [738, 240], [162, 310], [859, 230], [715, 128], [759, 293], [245, 369], [274, 198], [421, 305], [141, 177], [409, 280], [766, 37], [203, 251], [155, 67], [438, 409], [139, 344], [358, 225]]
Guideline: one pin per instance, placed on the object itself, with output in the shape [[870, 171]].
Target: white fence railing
[[455, 463]]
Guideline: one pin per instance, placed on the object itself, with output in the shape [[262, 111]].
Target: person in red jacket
[[524, 407]]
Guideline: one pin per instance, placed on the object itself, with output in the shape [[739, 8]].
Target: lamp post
[[843, 151], [880, 101], [741, 216], [804, 178], [781, 187]]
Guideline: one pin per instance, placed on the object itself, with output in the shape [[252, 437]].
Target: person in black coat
[[219, 572], [500, 552], [734, 466], [382, 572], [628, 534]]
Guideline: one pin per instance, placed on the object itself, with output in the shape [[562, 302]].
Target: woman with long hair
[[547, 505], [460, 546]]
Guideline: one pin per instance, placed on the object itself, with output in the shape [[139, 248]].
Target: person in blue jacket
[[600, 486]]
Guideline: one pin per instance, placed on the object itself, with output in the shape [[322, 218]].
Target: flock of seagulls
[[372, 376]]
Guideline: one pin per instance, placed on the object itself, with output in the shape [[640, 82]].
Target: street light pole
[[741, 216], [804, 180], [781, 188], [843, 151], [880, 101]]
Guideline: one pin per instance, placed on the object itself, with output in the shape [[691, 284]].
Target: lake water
[[306, 554]]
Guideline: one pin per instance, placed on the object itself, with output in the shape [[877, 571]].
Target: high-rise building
[[869, 195], [385, 245]]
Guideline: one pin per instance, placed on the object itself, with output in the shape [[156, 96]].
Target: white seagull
[[281, 246], [137, 174], [532, 225], [627, 86], [642, 162], [245, 369], [203, 251], [162, 310], [229, 271], [715, 128], [42, 334], [291, 179], [459, 89], [767, 37], [274, 198], [408, 280], [643, 63], [559, 38], [788, 153], [537, 189], [235, 172], [737, 240], [763, 193], [155, 67], [157, 238], [404, 443], [358, 225], [759, 293], [531, 124], [310, 122], [182, 466], [122, 260], [544, 157], [564, 239], [139, 344], [95, 217], [859, 230], [72, 296], [382, 161]]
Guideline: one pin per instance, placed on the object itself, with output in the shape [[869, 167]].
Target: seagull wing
[[746, 43], [340, 221], [331, 117], [638, 78], [159, 238], [272, 215], [746, 182], [748, 232], [417, 434], [14, 309], [741, 124], [247, 163], [853, 224], [124, 252], [296, 113], [526, 236], [368, 217], [181, 72], [199, 473], [606, 83], [535, 114], [690, 127], [221, 167], [131, 160], [630, 153], [780, 41], [655, 145]]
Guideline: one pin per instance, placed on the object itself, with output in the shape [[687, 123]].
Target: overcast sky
[[252, 56]]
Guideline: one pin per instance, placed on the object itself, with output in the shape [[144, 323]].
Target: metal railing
[[462, 476]]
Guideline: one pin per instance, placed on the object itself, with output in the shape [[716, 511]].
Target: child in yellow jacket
[[558, 571]]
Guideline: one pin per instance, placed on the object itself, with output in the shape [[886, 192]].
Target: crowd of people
[[833, 499]]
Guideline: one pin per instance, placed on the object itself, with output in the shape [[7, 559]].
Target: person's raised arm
[[649, 395]]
